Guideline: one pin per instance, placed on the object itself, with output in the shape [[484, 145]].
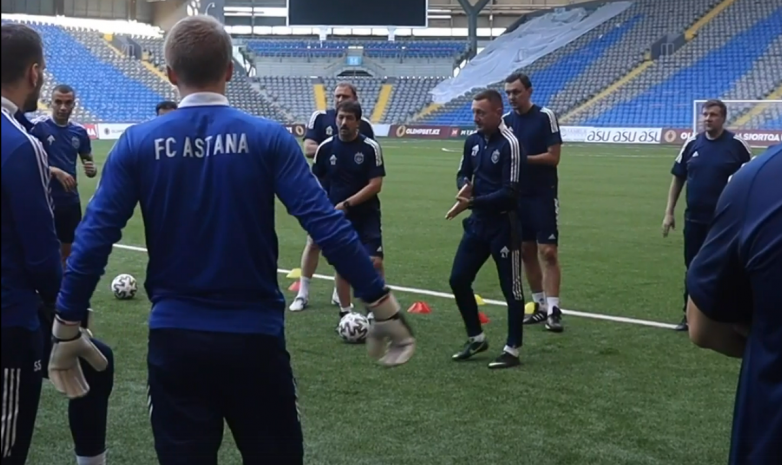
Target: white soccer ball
[[124, 287], [353, 328]]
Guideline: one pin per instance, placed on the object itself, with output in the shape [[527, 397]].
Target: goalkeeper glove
[[70, 342], [390, 340]]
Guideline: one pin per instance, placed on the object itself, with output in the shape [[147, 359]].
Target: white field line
[[444, 295]]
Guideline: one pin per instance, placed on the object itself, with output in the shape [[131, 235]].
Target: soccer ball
[[353, 328], [124, 287]]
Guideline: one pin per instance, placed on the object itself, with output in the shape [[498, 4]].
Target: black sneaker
[[683, 325], [538, 316], [554, 321], [505, 360], [471, 348]]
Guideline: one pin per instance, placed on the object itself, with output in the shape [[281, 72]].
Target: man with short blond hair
[[206, 177]]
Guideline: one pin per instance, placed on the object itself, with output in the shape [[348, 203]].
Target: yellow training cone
[[294, 274]]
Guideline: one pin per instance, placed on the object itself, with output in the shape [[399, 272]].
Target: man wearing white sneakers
[[323, 125]]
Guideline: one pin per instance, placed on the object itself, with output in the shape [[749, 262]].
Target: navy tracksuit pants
[[694, 236], [198, 381], [499, 237]]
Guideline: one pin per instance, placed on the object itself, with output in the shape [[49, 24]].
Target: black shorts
[[66, 220], [540, 218], [199, 380], [369, 233], [22, 380]]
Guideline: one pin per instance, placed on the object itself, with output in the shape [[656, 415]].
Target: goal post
[[758, 122]]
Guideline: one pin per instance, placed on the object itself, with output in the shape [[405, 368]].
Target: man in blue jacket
[[32, 270], [488, 182], [206, 176], [735, 305]]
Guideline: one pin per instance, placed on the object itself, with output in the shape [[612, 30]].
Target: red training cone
[[295, 286], [483, 318], [419, 307]]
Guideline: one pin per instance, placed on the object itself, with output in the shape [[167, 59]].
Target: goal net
[[758, 122]]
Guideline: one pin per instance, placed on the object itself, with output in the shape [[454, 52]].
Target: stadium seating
[[587, 65], [240, 90], [372, 48], [368, 90], [408, 97], [725, 50], [763, 76], [103, 88], [295, 94], [742, 45], [292, 93]]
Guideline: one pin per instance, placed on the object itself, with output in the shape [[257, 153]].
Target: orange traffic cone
[[483, 318], [295, 286], [420, 307]]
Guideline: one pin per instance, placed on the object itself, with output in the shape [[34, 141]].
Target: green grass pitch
[[602, 393]]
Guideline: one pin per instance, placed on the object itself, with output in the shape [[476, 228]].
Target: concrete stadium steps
[[693, 30], [727, 46], [319, 91], [383, 99]]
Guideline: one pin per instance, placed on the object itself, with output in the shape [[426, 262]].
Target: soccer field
[[602, 393]]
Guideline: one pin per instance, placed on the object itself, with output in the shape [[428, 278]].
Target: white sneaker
[[335, 299], [298, 304]]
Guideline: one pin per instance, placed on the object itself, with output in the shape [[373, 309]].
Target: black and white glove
[[390, 339]]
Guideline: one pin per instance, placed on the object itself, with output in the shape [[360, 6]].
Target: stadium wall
[[138, 10], [577, 134]]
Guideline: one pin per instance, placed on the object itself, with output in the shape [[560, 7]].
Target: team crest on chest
[[475, 149], [495, 156], [329, 131], [333, 160], [75, 142], [358, 158]]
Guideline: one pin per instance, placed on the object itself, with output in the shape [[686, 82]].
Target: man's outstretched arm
[[106, 215]]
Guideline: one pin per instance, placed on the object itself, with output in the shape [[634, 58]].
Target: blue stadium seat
[[547, 82], [102, 88], [669, 102]]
